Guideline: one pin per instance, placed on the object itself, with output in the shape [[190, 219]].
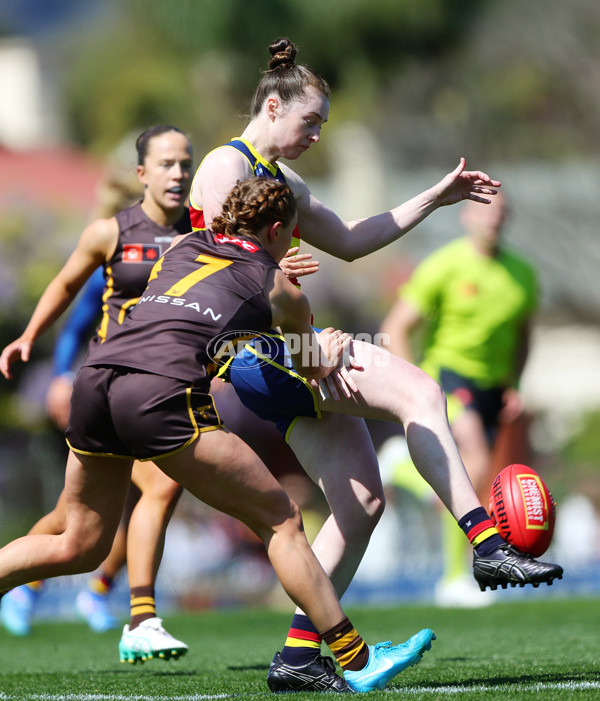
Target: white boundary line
[[488, 688], [410, 691], [115, 697]]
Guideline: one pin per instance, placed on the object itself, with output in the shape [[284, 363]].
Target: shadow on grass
[[502, 681], [139, 668]]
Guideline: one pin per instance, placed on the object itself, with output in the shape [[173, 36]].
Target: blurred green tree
[[195, 63]]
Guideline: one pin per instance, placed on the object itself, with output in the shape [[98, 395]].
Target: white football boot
[[148, 641]]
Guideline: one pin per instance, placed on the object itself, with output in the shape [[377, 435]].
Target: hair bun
[[283, 53]]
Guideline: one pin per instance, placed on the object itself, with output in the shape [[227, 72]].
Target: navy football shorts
[[266, 383]]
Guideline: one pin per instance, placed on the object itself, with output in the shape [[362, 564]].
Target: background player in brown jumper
[[126, 245]]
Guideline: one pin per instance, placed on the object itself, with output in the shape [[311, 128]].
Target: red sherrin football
[[523, 510]]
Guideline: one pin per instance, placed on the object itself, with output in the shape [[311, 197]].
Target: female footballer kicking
[[143, 394], [328, 436]]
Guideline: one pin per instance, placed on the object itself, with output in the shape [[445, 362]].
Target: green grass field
[[547, 649]]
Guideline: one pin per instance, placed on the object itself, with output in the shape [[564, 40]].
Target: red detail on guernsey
[[140, 253], [242, 243], [197, 218]]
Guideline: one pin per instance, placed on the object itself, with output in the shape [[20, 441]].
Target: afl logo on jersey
[[226, 345], [141, 253]]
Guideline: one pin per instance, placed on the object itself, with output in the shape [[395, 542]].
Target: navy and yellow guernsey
[[266, 382], [260, 168]]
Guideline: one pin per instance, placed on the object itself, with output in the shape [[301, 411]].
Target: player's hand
[[337, 347], [296, 264], [58, 400], [512, 406], [17, 350], [332, 343], [338, 383], [463, 184]]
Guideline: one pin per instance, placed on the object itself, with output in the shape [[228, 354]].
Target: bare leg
[[474, 447], [95, 491], [456, 586], [117, 557], [346, 467], [346, 470], [472, 444], [53, 522], [225, 473], [391, 389], [148, 523]]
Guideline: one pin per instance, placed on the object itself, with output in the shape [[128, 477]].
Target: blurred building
[[21, 111]]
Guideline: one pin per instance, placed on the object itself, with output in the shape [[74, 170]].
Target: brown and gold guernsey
[[206, 286], [141, 243], [261, 168]]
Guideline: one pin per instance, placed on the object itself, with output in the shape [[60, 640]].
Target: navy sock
[[481, 532], [303, 642]]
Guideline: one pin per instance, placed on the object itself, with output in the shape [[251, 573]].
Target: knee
[[294, 517], [168, 494], [60, 523], [164, 493], [82, 556], [362, 522], [54, 522], [357, 517], [274, 515], [429, 397], [289, 521], [91, 559]]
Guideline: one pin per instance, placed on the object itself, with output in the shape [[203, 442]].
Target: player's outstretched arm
[[324, 229], [463, 184]]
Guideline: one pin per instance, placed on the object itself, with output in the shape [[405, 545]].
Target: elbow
[[345, 249]]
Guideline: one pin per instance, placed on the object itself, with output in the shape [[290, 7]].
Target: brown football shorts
[[125, 413]]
